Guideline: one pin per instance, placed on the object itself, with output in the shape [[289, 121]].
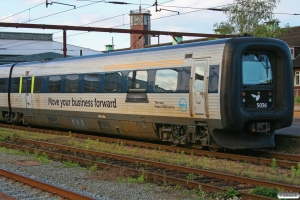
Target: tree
[[250, 16]]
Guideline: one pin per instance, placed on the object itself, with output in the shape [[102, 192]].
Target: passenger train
[[232, 93]]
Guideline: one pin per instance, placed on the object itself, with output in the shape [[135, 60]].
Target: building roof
[[28, 47], [17, 44], [292, 37]]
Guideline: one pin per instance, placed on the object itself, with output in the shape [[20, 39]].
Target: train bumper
[[243, 139]]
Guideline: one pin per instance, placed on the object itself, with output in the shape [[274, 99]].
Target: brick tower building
[[139, 20]]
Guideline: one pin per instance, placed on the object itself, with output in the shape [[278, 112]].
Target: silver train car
[[231, 93]]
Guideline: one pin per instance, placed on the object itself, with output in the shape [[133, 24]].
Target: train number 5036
[[262, 105]]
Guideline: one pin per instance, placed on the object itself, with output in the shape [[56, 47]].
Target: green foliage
[[250, 17], [295, 172], [93, 168], [191, 176], [265, 191], [13, 136], [3, 138], [273, 165], [43, 158], [139, 179], [88, 143], [297, 100], [230, 193], [70, 164]]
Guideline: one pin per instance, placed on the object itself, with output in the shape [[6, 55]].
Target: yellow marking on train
[[145, 64], [32, 84], [21, 82]]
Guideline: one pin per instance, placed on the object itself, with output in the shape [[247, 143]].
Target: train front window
[[257, 69]]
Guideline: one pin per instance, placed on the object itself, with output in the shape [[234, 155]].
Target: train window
[[166, 80], [199, 76], [113, 82], [213, 81], [72, 83], [90, 83], [137, 81], [54, 84], [2, 85], [257, 69], [297, 78], [16, 85], [26, 84], [37, 84]]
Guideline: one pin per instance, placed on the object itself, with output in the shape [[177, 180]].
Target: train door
[[199, 85], [26, 95]]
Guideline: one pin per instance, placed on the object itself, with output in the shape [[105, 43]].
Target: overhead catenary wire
[[58, 12], [21, 11], [81, 25], [197, 10]]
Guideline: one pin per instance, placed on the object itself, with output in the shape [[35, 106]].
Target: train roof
[[187, 45]]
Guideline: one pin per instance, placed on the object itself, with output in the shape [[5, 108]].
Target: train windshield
[[257, 69]]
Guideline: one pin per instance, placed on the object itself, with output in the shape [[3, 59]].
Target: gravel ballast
[[80, 180]]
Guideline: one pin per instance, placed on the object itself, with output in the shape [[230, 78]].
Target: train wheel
[[174, 143], [214, 149], [188, 145]]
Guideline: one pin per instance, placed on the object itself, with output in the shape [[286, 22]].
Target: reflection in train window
[[90, 83], [54, 84], [37, 84], [213, 81], [2, 84], [113, 82], [199, 76], [16, 84], [26, 84], [137, 81], [72, 83], [166, 80]]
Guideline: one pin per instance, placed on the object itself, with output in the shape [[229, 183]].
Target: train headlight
[[244, 100], [270, 99]]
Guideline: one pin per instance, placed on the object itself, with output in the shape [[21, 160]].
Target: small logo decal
[[182, 105], [257, 97]]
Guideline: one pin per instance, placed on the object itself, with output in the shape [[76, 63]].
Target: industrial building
[[25, 47]]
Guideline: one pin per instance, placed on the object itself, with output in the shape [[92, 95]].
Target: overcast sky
[[117, 16]]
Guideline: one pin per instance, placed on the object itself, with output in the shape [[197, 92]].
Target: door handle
[[202, 93]]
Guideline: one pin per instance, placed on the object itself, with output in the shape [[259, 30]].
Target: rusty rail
[[150, 175], [288, 160], [44, 186]]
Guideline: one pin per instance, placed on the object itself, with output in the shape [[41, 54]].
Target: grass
[[265, 191], [43, 158], [276, 174], [70, 164], [230, 193]]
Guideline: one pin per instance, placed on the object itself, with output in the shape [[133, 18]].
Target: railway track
[[21, 187], [174, 174], [259, 157]]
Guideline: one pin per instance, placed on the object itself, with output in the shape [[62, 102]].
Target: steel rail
[[149, 175], [285, 156], [110, 30], [202, 172], [288, 161], [43, 186]]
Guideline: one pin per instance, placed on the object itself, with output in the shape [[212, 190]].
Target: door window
[[26, 85], [199, 76]]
